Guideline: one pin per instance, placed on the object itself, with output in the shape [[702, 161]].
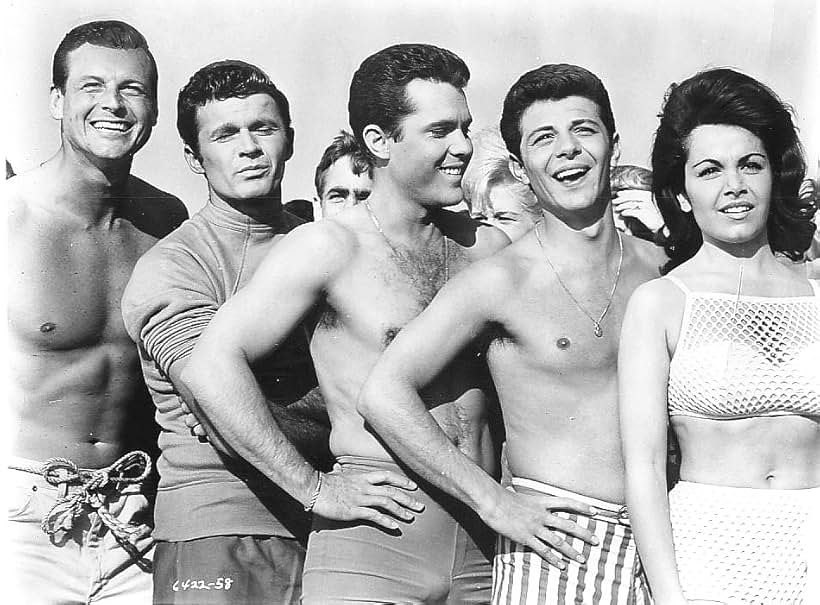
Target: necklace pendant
[[598, 330]]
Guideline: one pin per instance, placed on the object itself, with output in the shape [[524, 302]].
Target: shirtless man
[[548, 310], [360, 276], [343, 175], [77, 225]]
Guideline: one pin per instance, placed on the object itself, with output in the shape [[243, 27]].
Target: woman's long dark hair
[[725, 96]]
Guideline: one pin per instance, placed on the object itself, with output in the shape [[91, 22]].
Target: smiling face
[[432, 150], [342, 187], [728, 184], [243, 147], [566, 154], [108, 105]]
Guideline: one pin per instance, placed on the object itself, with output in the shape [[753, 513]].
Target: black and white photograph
[[408, 302]]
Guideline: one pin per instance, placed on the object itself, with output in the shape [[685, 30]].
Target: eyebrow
[[448, 123], [539, 130], [226, 128], [265, 122], [741, 158], [579, 121]]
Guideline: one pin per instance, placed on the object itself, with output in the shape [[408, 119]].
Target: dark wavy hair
[[725, 96], [378, 91], [343, 145], [548, 83], [107, 34], [219, 81]]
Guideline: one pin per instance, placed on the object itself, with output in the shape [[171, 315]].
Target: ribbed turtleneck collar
[[229, 218]]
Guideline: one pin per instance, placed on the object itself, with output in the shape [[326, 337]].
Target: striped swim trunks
[[611, 574]]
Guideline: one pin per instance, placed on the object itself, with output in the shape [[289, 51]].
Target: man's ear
[[194, 163], [376, 141], [616, 150], [289, 150], [155, 115], [55, 103], [517, 170], [683, 202]]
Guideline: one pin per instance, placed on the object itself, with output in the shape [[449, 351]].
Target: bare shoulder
[[152, 210], [813, 268], [26, 197], [658, 302], [325, 245], [478, 238], [494, 278], [647, 255], [14, 199]]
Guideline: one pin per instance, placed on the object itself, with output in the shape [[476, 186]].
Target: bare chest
[[378, 296], [65, 288]]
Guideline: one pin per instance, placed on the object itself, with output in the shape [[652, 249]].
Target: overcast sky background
[[311, 48]]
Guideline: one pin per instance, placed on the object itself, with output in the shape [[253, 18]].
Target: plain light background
[[311, 48]]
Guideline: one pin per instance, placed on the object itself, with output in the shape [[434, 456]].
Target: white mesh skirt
[[745, 545]]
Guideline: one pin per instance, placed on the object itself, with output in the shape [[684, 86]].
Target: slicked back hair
[[551, 82], [219, 81], [378, 92], [107, 34]]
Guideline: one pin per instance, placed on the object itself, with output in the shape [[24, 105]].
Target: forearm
[[234, 408], [401, 419], [648, 504]]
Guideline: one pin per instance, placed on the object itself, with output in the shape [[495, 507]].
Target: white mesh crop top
[[746, 356]]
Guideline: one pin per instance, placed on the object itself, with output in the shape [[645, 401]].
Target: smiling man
[[77, 224], [547, 311], [359, 277]]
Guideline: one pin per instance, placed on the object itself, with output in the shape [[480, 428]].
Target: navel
[[48, 327]]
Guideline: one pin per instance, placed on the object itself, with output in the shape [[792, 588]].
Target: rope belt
[[132, 468]]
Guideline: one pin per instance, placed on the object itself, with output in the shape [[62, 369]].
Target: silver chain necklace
[[599, 331], [445, 245]]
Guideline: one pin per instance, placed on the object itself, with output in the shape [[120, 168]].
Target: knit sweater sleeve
[[167, 304]]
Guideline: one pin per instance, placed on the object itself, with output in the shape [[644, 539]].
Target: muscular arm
[[218, 375], [390, 402], [390, 399], [643, 375], [304, 422]]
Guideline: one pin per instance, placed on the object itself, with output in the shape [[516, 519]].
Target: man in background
[[343, 176]]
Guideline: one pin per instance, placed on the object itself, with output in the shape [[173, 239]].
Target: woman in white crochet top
[[725, 350]]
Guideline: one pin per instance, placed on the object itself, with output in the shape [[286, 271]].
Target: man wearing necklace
[[359, 277], [228, 526], [547, 311]]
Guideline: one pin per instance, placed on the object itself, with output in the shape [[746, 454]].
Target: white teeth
[[571, 173], [737, 209], [116, 126], [452, 171]]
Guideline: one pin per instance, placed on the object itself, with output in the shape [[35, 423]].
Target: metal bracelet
[[315, 496]]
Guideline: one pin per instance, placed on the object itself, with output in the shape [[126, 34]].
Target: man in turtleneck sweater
[[226, 533]]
